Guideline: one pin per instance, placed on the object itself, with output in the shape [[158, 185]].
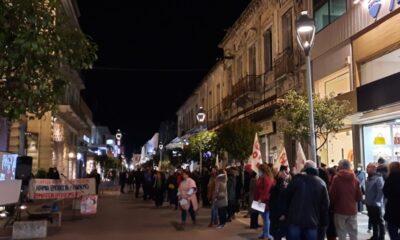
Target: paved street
[[123, 217]]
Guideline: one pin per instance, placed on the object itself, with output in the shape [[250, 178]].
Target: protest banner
[[89, 205], [61, 188]]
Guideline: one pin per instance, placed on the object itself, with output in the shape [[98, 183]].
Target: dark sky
[[152, 55]]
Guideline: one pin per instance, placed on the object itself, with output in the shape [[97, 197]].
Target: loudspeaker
[[24, 168]]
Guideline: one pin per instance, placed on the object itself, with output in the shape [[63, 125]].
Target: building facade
[[261, 62], [356, 56]]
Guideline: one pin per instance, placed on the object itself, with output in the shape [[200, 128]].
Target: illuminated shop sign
[[374, 6]]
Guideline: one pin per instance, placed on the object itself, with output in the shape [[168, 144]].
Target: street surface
[[121, 216]]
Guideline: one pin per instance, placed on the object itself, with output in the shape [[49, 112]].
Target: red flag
[[282, 160]]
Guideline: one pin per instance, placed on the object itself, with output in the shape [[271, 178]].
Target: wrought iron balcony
[[284, 63]]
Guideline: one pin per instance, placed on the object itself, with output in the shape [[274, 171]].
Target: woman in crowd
[[263, 189], [391, 191], [187, 197], [220, 197]]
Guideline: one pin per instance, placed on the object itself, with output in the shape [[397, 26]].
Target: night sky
[[152, 55]]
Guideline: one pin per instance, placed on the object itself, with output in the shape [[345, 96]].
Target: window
[[287, 30], [268, 50], [252, 60], [327, 11], [229, 79]]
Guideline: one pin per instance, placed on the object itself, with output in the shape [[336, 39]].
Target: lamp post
[[305, 36], [201, 117]]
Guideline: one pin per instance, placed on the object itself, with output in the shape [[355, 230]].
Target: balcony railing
[[249, 83], [284, 63]]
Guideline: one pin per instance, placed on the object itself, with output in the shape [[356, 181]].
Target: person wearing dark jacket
[[307, 204], [278, 204], [391, 191], [231, 189]]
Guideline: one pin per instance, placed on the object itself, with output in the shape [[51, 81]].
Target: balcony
[[70, 111], [247, 91], [284, 63]]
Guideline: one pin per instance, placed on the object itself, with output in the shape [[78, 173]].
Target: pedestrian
[[391, 191], [382, 168], [159, 188], [361, 176], [204, 185], [252, 189], [344, 193], [231, 189], [331, 229], [220, 197], [264, 184], [122, 181], [187, 197], [147, 184], [307, 204], [173, 190], [278, 204], [94, 174], [210, 192], [374, 201], [138, 179]]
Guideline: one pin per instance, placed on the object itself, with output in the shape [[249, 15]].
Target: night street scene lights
[[305, 28]]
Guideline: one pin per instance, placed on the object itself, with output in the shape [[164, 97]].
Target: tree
[[107, 162], [38, 46], [237, 138], [203, 141], [292, 116]]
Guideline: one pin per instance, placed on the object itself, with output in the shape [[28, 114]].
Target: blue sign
[[373, 7]]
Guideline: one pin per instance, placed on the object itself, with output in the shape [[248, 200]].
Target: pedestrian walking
[[210, 192], [187, 197]]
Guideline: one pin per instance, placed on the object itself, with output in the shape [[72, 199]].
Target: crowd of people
[[317, 203]]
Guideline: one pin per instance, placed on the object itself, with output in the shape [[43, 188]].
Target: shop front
[[377, 71]]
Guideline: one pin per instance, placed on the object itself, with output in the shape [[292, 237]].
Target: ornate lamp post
[[201, 117], [305, 36]]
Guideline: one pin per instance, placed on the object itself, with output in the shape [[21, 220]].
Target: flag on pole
[[300, 159], [282, 160], [255, 158], [217, 162]]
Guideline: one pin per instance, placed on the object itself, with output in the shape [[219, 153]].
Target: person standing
[[307, 204], [173, 190], [220, 197], [278, 204], [159, 188], [138, 179], [391, 191], [210, 192], [345, 192], [231, 189], [374, 201], [187, 197], [122, 181], [262, 194], [362, 177]]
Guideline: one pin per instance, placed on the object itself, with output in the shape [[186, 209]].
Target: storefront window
[[336, 84], [381, 141], [338, 146]]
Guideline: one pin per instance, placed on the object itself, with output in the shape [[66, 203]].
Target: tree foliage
[[203, 141], [37, 43], [292, 116], [237, 138], [106, 162]]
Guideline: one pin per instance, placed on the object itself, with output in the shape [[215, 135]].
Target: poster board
[[61, 188], [89, 205], [10, 191], [8, 165]]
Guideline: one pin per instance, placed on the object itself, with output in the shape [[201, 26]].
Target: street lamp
[[305, 36], [201, 117]]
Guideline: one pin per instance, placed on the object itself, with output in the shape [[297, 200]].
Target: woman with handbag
[[220, 197], [187, 197]]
